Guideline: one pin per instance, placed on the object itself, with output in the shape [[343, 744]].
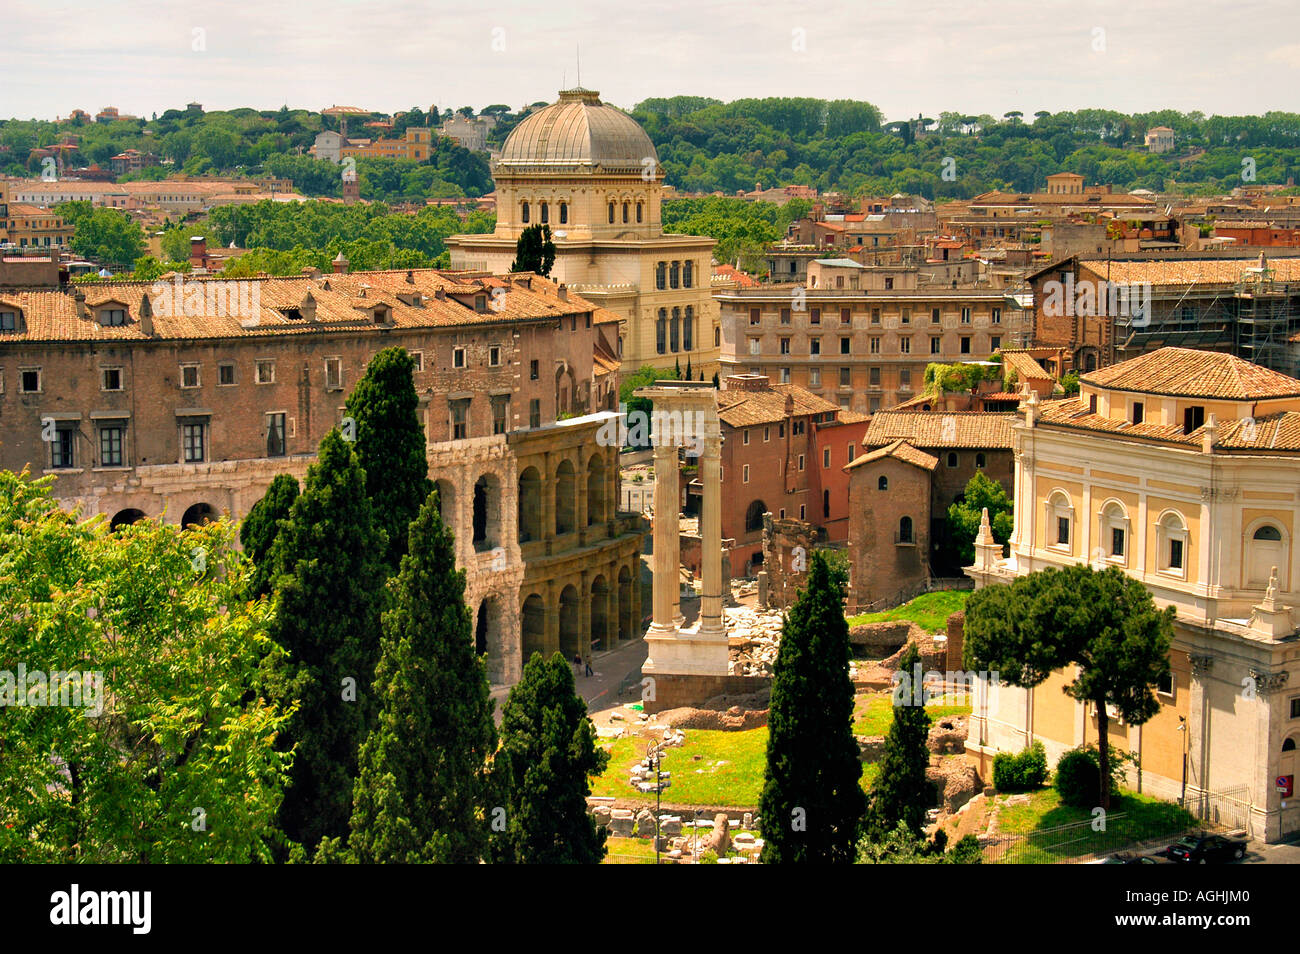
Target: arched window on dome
[[564, 213], [611, 213], [661, 331], [546, 212], [523, 216], [675, 330], [626, 209], [639, 209]]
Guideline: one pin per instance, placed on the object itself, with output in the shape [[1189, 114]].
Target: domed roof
[[578, 131]]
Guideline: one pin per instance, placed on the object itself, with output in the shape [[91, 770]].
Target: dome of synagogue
[[579, 132]]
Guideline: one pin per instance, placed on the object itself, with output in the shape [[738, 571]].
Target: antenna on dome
[[578, 53]]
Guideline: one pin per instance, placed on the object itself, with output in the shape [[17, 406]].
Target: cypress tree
[[812, 805], [328, 592], [422, 794], [901, 793], [534, 251], [390, 445], [548, 753], [260, 528]]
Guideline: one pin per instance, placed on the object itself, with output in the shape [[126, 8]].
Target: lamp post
[[1182, 727]]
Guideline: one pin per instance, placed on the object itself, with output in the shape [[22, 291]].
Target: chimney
[[146, 316], [79, 300], [198, 251], [745, 382], [340, 264], [410, 277], [308, 306], [440, 295], [563, 292], [311, 271], [1208, 435], [361, 293]]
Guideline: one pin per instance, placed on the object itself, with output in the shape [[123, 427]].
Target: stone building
[[1179, 468], [591, 173], [182, 400]]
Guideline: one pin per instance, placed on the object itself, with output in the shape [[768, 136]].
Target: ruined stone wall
[[787, 545]]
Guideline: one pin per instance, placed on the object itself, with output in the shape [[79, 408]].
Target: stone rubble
[[754, 635]]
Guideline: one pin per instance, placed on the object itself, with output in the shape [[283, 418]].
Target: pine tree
[[534, 251], [715, 379], [689, 376], [901, 793], [260, 529], [812, 805], [547, 755], [422, 795], [328, 596], [390, 445]]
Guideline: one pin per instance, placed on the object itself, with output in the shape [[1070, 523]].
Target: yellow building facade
[[590, 172], [1182, 468]]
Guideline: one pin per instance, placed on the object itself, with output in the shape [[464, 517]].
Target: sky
[[909, 57]]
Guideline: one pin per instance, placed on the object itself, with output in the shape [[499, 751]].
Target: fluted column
[[711, 537], [665, 539]]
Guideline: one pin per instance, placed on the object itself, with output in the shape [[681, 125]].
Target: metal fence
[[1228, 809], [1081, 841], [909, 593]]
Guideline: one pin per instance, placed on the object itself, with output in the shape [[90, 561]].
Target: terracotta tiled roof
[[900, 450], [1273, 433], [1186, 372], [340, 305], [1222, 271], [941, 428], [1024, 365], [741, 408]]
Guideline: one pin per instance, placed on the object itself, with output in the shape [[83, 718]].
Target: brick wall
[[881, 565], [674, 690]]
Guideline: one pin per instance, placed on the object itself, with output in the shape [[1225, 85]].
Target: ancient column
[[711, 536], [665, 540]]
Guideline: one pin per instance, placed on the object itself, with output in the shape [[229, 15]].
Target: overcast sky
[[906, 56]]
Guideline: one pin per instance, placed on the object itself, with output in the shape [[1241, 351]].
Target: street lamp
[[1182, 727], [655, 759]]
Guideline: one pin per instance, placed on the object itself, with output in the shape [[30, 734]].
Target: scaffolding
[[1267, 315]]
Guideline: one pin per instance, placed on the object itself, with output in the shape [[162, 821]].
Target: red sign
[[1285, 783]]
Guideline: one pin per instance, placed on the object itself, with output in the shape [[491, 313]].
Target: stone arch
[[602, 623], [1267, 545], [570, 623], [487, 512], [489, 637], [566, 390], [198, 514], [597, 504], [566, 498], [882, 483], [530, 505], [905, 531], [532, 626], [626, 620], [446, 502], [124, 518], [754, 516]]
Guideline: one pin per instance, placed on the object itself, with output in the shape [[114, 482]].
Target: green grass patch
[[1143, 818], [629, 851], [874, 714], [729, 770], [930, 611]]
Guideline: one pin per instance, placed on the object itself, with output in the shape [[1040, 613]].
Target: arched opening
[[596, 502], [626, 207], [481, 630], [487, 512], [124, 518], [882, 483], [980, 461], [546, 212], [530, 505], [570, 623], [565, 498], [198, 515], [524, 214], [564, 213], [446, 503], [626, 621], [754, 516], [905, 530], [1114, 530], [1267, 550], [601, 614], [533, 627]]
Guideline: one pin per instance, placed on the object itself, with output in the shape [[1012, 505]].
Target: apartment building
[[27, 226]]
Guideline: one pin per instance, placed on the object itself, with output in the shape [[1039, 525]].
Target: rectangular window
[[965, 316], [965, 345], [845, 379], [754, 345], [1295, 708], [785, 375], [755, 315], [874, 346], [815, 346], [458, 357], [934, 316], [935, 345], [1139, 412], [29, 380], [225, 375], [997, 316], [110, 444], [875, 316], [459, 419], [1193, 418], [193, 439], [500, 413], [189, 375], [265, 372], [785, 316], [785, 345], [494, 357], [744, 437], [417, 359], [333, 374], [1063, 531], [8, 321], [767, 433], [874, 377], [780, 431], [826, 457], [844, 345], [905, 345], [815, 316], [907, 316], [814, 377], [905, 379], [62, 447], [846, 316], [1165, 685], [995, 343], [275, 445], [533, 370], [801, 465], [852, 453], [1175, 554], [744, 473], [803, 509], [534, 413], [111, 379], [1117, 541]]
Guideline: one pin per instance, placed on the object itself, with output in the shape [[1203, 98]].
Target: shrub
[[1020, 773], [1078, 775]]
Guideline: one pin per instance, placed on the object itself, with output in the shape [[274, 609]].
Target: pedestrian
[[587, 663]]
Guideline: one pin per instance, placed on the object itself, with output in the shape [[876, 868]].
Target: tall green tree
[[548, 753], [965, 514], [329, 591], [534, 251], [1100, 626], [422, 795], [811, 804], [260, 529], [137, 721], [900, 793], [390, 445]]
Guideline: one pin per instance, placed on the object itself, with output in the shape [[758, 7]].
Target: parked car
[[1203, 848]]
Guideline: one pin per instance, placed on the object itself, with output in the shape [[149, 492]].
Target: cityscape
[[735, 466]]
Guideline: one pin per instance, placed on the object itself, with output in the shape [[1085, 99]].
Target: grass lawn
[[729, 770], [930, 611], [629, 851], [1143, 818], [874, 714]]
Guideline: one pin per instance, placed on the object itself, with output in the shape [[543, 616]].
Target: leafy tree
[[534, 252], [390, 444], [1070, 383], [811, 804], [168, 755], [107, 236], [965, 513], [258, 532], [422, 792], [902, 846], [328, 559], [547, 754], [901, 792], [1100, 626]]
